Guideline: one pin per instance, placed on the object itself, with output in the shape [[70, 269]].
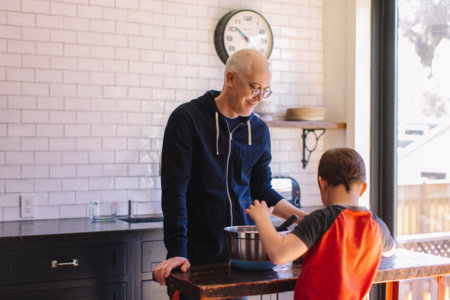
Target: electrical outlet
[[27, 206]]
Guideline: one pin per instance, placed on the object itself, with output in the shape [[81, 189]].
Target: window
[[423, 160], [411, 102], [423, 177]]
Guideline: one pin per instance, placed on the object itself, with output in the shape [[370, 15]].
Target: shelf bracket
[[318, 132]]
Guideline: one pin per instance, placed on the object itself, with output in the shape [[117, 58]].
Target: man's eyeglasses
[[257, 91], [265, 93]]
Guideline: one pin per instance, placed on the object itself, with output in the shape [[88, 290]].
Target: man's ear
[[363, 188], [230, 76]]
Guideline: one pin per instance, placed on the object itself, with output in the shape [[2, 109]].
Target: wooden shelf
[[307, 124], [317, 128]]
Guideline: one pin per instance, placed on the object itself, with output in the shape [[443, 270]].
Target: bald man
[[215, 162]]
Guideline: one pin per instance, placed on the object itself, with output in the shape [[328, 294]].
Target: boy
[[343, 241]]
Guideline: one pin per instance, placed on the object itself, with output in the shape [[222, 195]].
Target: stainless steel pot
[[246, 249]]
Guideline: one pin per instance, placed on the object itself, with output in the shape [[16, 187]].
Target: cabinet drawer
[[152, 290], [153, 253], [62, 263], [101, 292]]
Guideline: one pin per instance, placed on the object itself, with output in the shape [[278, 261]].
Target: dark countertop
[[25, 228], [68, 226]]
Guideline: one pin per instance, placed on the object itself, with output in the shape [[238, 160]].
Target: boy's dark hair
[[342, 166]]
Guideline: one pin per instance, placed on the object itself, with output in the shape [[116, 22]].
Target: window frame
[[383, 156], [383, 148]]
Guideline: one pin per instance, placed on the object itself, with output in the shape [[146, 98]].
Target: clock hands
[[243, 35]]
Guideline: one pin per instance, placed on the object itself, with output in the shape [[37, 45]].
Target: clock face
[[243, 29]]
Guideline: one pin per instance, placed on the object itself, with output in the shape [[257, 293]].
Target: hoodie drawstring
[[249, 128], [249, 133], [217, 133]]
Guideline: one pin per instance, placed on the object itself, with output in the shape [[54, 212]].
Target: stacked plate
[[305, 113]]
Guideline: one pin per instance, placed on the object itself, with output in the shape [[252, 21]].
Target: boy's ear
[[363, 188], [322, 182]]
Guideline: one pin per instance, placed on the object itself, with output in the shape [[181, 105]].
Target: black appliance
[[287, 187]]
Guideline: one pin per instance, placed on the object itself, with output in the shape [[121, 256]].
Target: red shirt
[[345, 245]]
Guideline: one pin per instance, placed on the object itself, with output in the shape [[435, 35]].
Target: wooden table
[[222, 280]]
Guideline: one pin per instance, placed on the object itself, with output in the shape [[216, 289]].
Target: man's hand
[[284, 209], [162, 271]]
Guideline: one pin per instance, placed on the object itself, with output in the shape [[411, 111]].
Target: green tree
[[427, 27]]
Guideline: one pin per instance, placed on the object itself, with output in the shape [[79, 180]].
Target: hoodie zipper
[[230, 133]]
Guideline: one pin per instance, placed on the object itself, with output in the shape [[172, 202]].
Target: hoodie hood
[[208, 99], [212, 105]]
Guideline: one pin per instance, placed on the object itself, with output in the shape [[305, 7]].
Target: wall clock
[[241, 29]]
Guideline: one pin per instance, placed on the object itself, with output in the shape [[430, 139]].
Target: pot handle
[[287, 223]]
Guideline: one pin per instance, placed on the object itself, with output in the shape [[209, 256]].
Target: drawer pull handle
[[56, 264]]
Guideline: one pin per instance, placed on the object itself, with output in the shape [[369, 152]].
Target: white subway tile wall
[[86, 88]]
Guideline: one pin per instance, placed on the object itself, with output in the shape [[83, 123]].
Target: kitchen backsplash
[[86, 87]]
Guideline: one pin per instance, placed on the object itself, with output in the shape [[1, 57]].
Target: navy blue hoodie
[[209, 176]]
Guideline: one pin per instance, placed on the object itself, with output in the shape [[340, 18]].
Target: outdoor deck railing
[[423, 214], [432, 243], [423, 208]]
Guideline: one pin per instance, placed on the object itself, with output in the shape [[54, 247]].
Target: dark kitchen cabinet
[[151, 254], [110, 291], [80, 259], [63, 263], [68, 266]]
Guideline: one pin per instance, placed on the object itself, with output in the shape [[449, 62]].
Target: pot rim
[[247, 232]]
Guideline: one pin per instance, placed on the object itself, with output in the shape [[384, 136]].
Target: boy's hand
[[258, 210]]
